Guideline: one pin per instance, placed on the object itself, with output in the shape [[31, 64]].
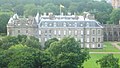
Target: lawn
[[91, 63], [107, 47], [118, 44]]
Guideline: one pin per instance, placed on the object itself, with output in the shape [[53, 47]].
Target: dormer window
[[75, 24], [50, 24], [69, 24], [54, 24], [45, 24], [18, 24], [64, 24], [27, 24], [81, 24], [87, 24]]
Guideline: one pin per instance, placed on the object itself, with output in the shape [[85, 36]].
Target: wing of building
[[44, 27]]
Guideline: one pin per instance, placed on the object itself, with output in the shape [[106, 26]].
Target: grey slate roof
[[70, 23]]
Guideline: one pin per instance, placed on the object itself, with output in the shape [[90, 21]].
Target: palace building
[[84, 29]]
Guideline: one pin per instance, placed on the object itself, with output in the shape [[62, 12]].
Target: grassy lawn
[[118, 44], [107, 47], [91, 63]]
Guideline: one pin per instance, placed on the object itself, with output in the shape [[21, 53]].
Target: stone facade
[[44, 27], [111, 32], [116, 3]]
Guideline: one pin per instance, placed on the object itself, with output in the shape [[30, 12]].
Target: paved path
[[104, 52], [115, 45]]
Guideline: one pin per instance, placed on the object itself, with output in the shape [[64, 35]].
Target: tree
[[3, 22], [67, 53], [108, 61], [48, 42], [32, 42], [115, 16], [22, 56], [19, 9]]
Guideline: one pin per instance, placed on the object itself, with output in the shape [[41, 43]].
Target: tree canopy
[[60, 54], [108, 61]]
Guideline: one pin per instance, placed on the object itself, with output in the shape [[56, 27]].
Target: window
[[93, 31], [45, 24], [75, 32], [93, 45], [88, 32], [75, 24], [93, 39], [82, 46], [55, 32], [81, 24], [39, 39], [76, 39], [39, 31], [98, 39], [99, 45], [45, 31], [59, 32], [49, 31], [45, 39], [18, 31], [88, 46], [64, 32], [54, 24], [58, 38], [81, 39], [88, 40], [87, 24], [18, 24], [81, 32], [26, 31], [99, 32], [70, 32], [64, 24], [50, 24]]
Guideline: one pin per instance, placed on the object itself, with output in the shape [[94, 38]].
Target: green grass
[[91, 63], [118, 44], [107, 47]]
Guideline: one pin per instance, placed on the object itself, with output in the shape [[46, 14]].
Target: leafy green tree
[[48, 42], [50, 7], [108, 61], [67, 53], [22, 56], [115, 16], [3, 22], [19, 9], [73, 7], [33, 42], [29, 9], [8, 41]]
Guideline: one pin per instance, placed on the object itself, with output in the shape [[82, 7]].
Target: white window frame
[[88, 32], [81, 32], [55, 32], [88, 45], [59, 32], [76, 32], [40, 32], [81, 39], [88, 40], [70, 32], [64, 32]]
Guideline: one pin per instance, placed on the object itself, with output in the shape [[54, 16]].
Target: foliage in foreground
[[60, 54], [108, 61]]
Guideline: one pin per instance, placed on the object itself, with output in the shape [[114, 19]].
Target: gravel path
[[104, 52]]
